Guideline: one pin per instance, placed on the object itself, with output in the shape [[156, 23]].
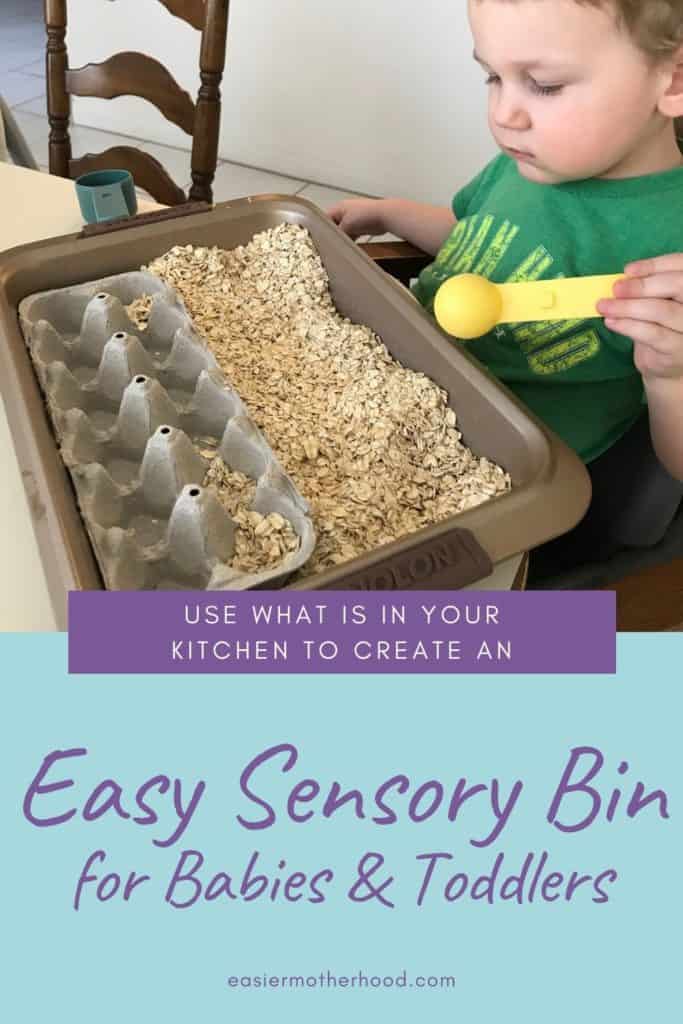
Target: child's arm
[[427, 227], [648, 308]]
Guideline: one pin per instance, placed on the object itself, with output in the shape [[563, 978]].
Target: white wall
[[378, 96]]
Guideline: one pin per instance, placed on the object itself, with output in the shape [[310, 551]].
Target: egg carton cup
[[133, 410]]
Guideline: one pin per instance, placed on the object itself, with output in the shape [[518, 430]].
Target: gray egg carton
[[132, 411]]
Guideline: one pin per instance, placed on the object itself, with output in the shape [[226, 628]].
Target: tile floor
[[22, 84]]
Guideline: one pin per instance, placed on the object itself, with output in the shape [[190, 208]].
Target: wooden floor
[[652, 600]]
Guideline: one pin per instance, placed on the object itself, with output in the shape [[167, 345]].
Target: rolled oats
[[371, 445]]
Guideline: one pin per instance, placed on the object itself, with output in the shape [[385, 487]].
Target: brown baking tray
[[550, 486]]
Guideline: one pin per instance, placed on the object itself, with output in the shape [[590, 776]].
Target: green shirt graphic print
[[575, 375]]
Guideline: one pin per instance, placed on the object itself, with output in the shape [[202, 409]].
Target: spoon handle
[[568, 298]]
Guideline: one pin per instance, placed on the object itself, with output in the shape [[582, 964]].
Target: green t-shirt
[[576, 375]]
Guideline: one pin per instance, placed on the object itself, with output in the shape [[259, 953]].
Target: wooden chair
[[136, 74]]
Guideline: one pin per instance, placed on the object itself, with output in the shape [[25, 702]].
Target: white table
[[35, 206], [32, 206]]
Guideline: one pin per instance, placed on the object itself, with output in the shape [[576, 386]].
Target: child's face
[[570, 94]]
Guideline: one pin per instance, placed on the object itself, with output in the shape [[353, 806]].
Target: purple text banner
[[412, 632]]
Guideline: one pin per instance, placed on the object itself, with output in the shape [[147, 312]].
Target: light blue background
[[142, 961]]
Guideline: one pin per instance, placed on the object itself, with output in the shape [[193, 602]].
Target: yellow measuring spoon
[[468, 305]]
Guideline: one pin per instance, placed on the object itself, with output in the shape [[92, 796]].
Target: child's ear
[[671, 101]]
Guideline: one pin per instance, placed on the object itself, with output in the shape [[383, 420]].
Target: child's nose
[[508, 112]]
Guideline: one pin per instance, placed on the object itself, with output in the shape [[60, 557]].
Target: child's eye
[[544, 90], [536, 87]]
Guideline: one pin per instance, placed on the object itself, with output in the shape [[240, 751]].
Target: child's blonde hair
[[655, 25]]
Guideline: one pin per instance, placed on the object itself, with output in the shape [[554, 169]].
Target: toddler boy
[[583, 96]]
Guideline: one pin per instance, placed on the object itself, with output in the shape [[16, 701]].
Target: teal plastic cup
[[106, 195]]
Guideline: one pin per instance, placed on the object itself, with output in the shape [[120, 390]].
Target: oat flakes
[[370, 444]]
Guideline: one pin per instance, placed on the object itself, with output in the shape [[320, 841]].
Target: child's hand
[[648, 308], [359, 217]]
